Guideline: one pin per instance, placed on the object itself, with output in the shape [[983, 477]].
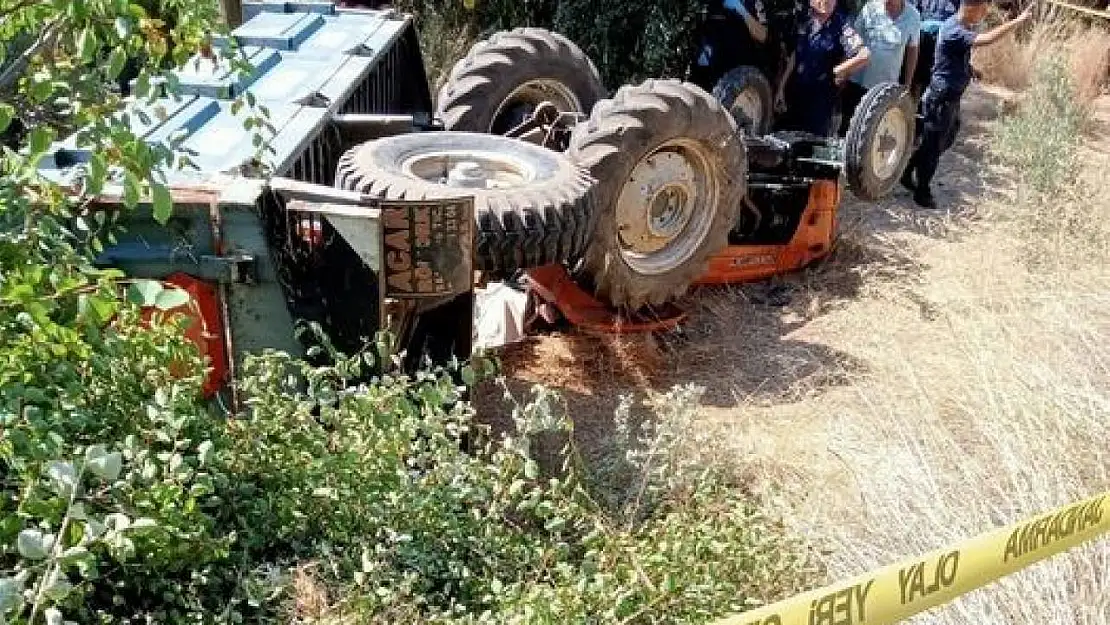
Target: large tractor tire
[[533, 207], [671, 171], [746, 93], [880, 141], [498, 84]]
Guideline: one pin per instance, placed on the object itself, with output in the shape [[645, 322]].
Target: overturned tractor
[[690, 186]]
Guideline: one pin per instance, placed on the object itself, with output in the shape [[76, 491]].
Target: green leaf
[[163, 203], [142, 85], [204, 450], [171, 298], [11, 595], [7, 113], [103, 464], [102, 308], [123, 27], [63, 476], [41, 136], [74, 554], [116, 60], [33, 545], [57, 588], [88, 44], [131, 189], [98, 173], [144, 292]]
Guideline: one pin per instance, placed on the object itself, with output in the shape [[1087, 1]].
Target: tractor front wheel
[[880, 141], [746, 93], [671, 171]]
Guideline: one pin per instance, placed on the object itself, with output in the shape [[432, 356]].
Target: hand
[[780, 103], [838, 78], [1027, 14]]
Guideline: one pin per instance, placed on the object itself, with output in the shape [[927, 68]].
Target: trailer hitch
[[547, 127]]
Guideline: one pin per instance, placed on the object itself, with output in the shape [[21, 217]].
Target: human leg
[[941, 125]]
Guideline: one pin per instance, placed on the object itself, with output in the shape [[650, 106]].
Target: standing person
[[933, 14], [941, 104], [891, 30], [735, 33], [828, 50]]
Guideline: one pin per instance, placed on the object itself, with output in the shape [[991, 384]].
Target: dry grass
[[995, 409], [991, 408], [1010, 62]]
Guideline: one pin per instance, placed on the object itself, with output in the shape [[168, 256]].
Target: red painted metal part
[[553, 284], [736, 264], [812, 240], [205, 329]]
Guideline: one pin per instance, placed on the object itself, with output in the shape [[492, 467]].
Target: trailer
[[260, 252]]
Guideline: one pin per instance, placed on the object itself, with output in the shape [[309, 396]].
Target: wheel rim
[[747, 108], [889, 144], [469, 168], [523, 100], [666, 207]]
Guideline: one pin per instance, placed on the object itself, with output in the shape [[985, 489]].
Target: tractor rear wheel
[[533, 207], [671, 172], [746, 93], [498, 84], [880, 141]]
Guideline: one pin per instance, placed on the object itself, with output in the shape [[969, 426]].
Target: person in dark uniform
[[933, 14], [827, 51], [951, 75], [734, 34]]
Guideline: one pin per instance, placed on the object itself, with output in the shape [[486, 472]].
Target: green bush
[[627, 42], [630, 43], [1040, 142]]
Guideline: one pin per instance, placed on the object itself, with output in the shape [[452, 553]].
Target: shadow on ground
[[739, 343], [742, 343]]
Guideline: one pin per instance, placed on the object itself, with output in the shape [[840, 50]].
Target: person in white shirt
[[891, 29]]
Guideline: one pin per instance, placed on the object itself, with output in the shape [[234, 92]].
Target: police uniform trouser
[[810, 107], [926, 55], [941, 114]]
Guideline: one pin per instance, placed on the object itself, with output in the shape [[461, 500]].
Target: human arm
[[856, 54], [912, 53], [755, 23], [780, 88], [856, 63], [1000, 31], [913, 47]]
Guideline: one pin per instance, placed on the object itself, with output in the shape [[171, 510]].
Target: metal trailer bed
[[331, 78]]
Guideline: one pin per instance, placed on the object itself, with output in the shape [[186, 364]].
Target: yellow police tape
[[901, 590]]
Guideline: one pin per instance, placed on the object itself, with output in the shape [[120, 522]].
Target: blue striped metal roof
[[308, 58]]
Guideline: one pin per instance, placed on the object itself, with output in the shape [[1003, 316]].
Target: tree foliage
[[628, 41]]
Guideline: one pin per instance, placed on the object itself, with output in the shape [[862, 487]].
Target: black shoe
[[924, 199], [907, 180]]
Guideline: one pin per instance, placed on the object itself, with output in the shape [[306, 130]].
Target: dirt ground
[[835, 385], [766, 353]]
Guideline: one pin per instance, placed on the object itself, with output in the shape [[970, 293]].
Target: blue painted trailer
[[313, 64]]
